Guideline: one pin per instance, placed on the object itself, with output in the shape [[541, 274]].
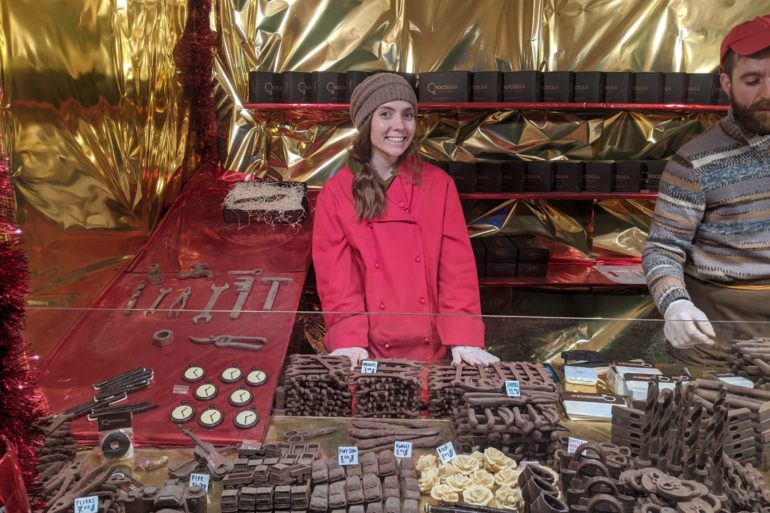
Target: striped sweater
[[712, 217]]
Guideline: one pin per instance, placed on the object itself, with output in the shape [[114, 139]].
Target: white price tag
[[251, 444], [402, 449], [446, 452], [201, 480], [87, 504], [573, 444], [524, 463], [512, 388], [347, 456], [180, 390], [368, 367]]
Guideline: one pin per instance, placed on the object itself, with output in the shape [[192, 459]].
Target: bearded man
[[707, 257]]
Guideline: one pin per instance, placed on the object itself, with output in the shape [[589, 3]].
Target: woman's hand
[[356, 354], [472, 355]]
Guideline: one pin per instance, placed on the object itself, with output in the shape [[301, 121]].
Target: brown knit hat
[[378, 89]]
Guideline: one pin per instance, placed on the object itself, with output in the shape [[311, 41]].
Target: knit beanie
[[378, 89]]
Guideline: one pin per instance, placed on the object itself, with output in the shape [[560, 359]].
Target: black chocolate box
[[487, 86], [297, 87], [529, 269], [501, 270], [597, 176], [538, 177], [265, 87], [568, 176], [589, 87], [488, 176], [618, 86], [558, 86], [513, 176], [648, 87], [628, 176], [702, 88], [330, 86], [479, 251], [464, 175], [651, 172], [409, 77], [530, 249], [500, 249], [352, 79], [674, 87], [522, 86], [445, 86]]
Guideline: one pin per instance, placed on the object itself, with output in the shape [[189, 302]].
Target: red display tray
[[426, 106], [578, 275], [558, 195]]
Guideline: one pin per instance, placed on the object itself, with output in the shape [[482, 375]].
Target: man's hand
[[472, 355], [356, 354], [687, 326]]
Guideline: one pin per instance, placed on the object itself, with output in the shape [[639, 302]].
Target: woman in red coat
[[394, 265]]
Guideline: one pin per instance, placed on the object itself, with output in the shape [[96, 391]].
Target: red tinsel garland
[[195, 57], [21, 405]]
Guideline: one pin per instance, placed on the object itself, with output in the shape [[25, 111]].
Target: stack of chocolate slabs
[[391, 392]]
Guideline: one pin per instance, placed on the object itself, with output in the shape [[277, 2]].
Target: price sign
[[512, 388], [201, 480], [524, 463], [573, 444], [402, 449], [446, 452], [87, 504], [368, 367], [251, 444], [347, 456]]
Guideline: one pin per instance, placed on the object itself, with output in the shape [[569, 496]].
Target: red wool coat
[[414, 259]]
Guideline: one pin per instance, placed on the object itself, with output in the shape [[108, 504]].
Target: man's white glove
[[472, 355], [687, 326], [356, 354]]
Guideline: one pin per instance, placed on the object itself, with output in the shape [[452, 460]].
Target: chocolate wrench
[[216, 291]]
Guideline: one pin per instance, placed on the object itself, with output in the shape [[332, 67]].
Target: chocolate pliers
[[232, 342]]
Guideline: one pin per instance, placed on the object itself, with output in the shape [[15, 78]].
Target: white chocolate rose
[[477, 495], [428, 479], [508, 498], [444, 493], [479, 457], [508, 477], [495, 460], [483, 478], [426, 461], [465, 463], [458, 482], [446, 470]]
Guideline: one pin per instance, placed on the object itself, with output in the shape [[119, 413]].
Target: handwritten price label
[[573, 444], [201, 480], [446, 452], [368, 367], [347, 456], [402, 449], [512, 388], [87, 505], [524, 463]]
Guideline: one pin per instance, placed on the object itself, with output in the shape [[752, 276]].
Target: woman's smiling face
[[393, 127]]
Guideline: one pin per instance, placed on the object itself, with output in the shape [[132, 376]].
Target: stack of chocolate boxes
[[505, 257], [649, 87], [593, 176]]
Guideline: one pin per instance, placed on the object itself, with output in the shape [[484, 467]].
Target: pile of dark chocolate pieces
[[270, 477], [751, 359], [378, 484], [448, 383], [378, 434], [316, 386], [391, 392]]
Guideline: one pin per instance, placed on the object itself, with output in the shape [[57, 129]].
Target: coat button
[[376, 265], [426, 340], [401, 204], [387, 346], [371, 226], [418, 259], [422, 300], [382, 306]]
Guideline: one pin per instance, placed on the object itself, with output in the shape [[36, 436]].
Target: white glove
[[687, 326], [472, 355], [356, 354]]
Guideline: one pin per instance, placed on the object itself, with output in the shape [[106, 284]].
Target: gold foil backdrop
[[97, 129]]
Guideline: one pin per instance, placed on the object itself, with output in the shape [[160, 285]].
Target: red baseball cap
[[747, 38]]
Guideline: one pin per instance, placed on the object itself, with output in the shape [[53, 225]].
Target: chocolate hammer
[[275, 282]]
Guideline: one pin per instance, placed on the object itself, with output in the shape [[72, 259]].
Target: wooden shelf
[[557, 195], [431, 107]]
